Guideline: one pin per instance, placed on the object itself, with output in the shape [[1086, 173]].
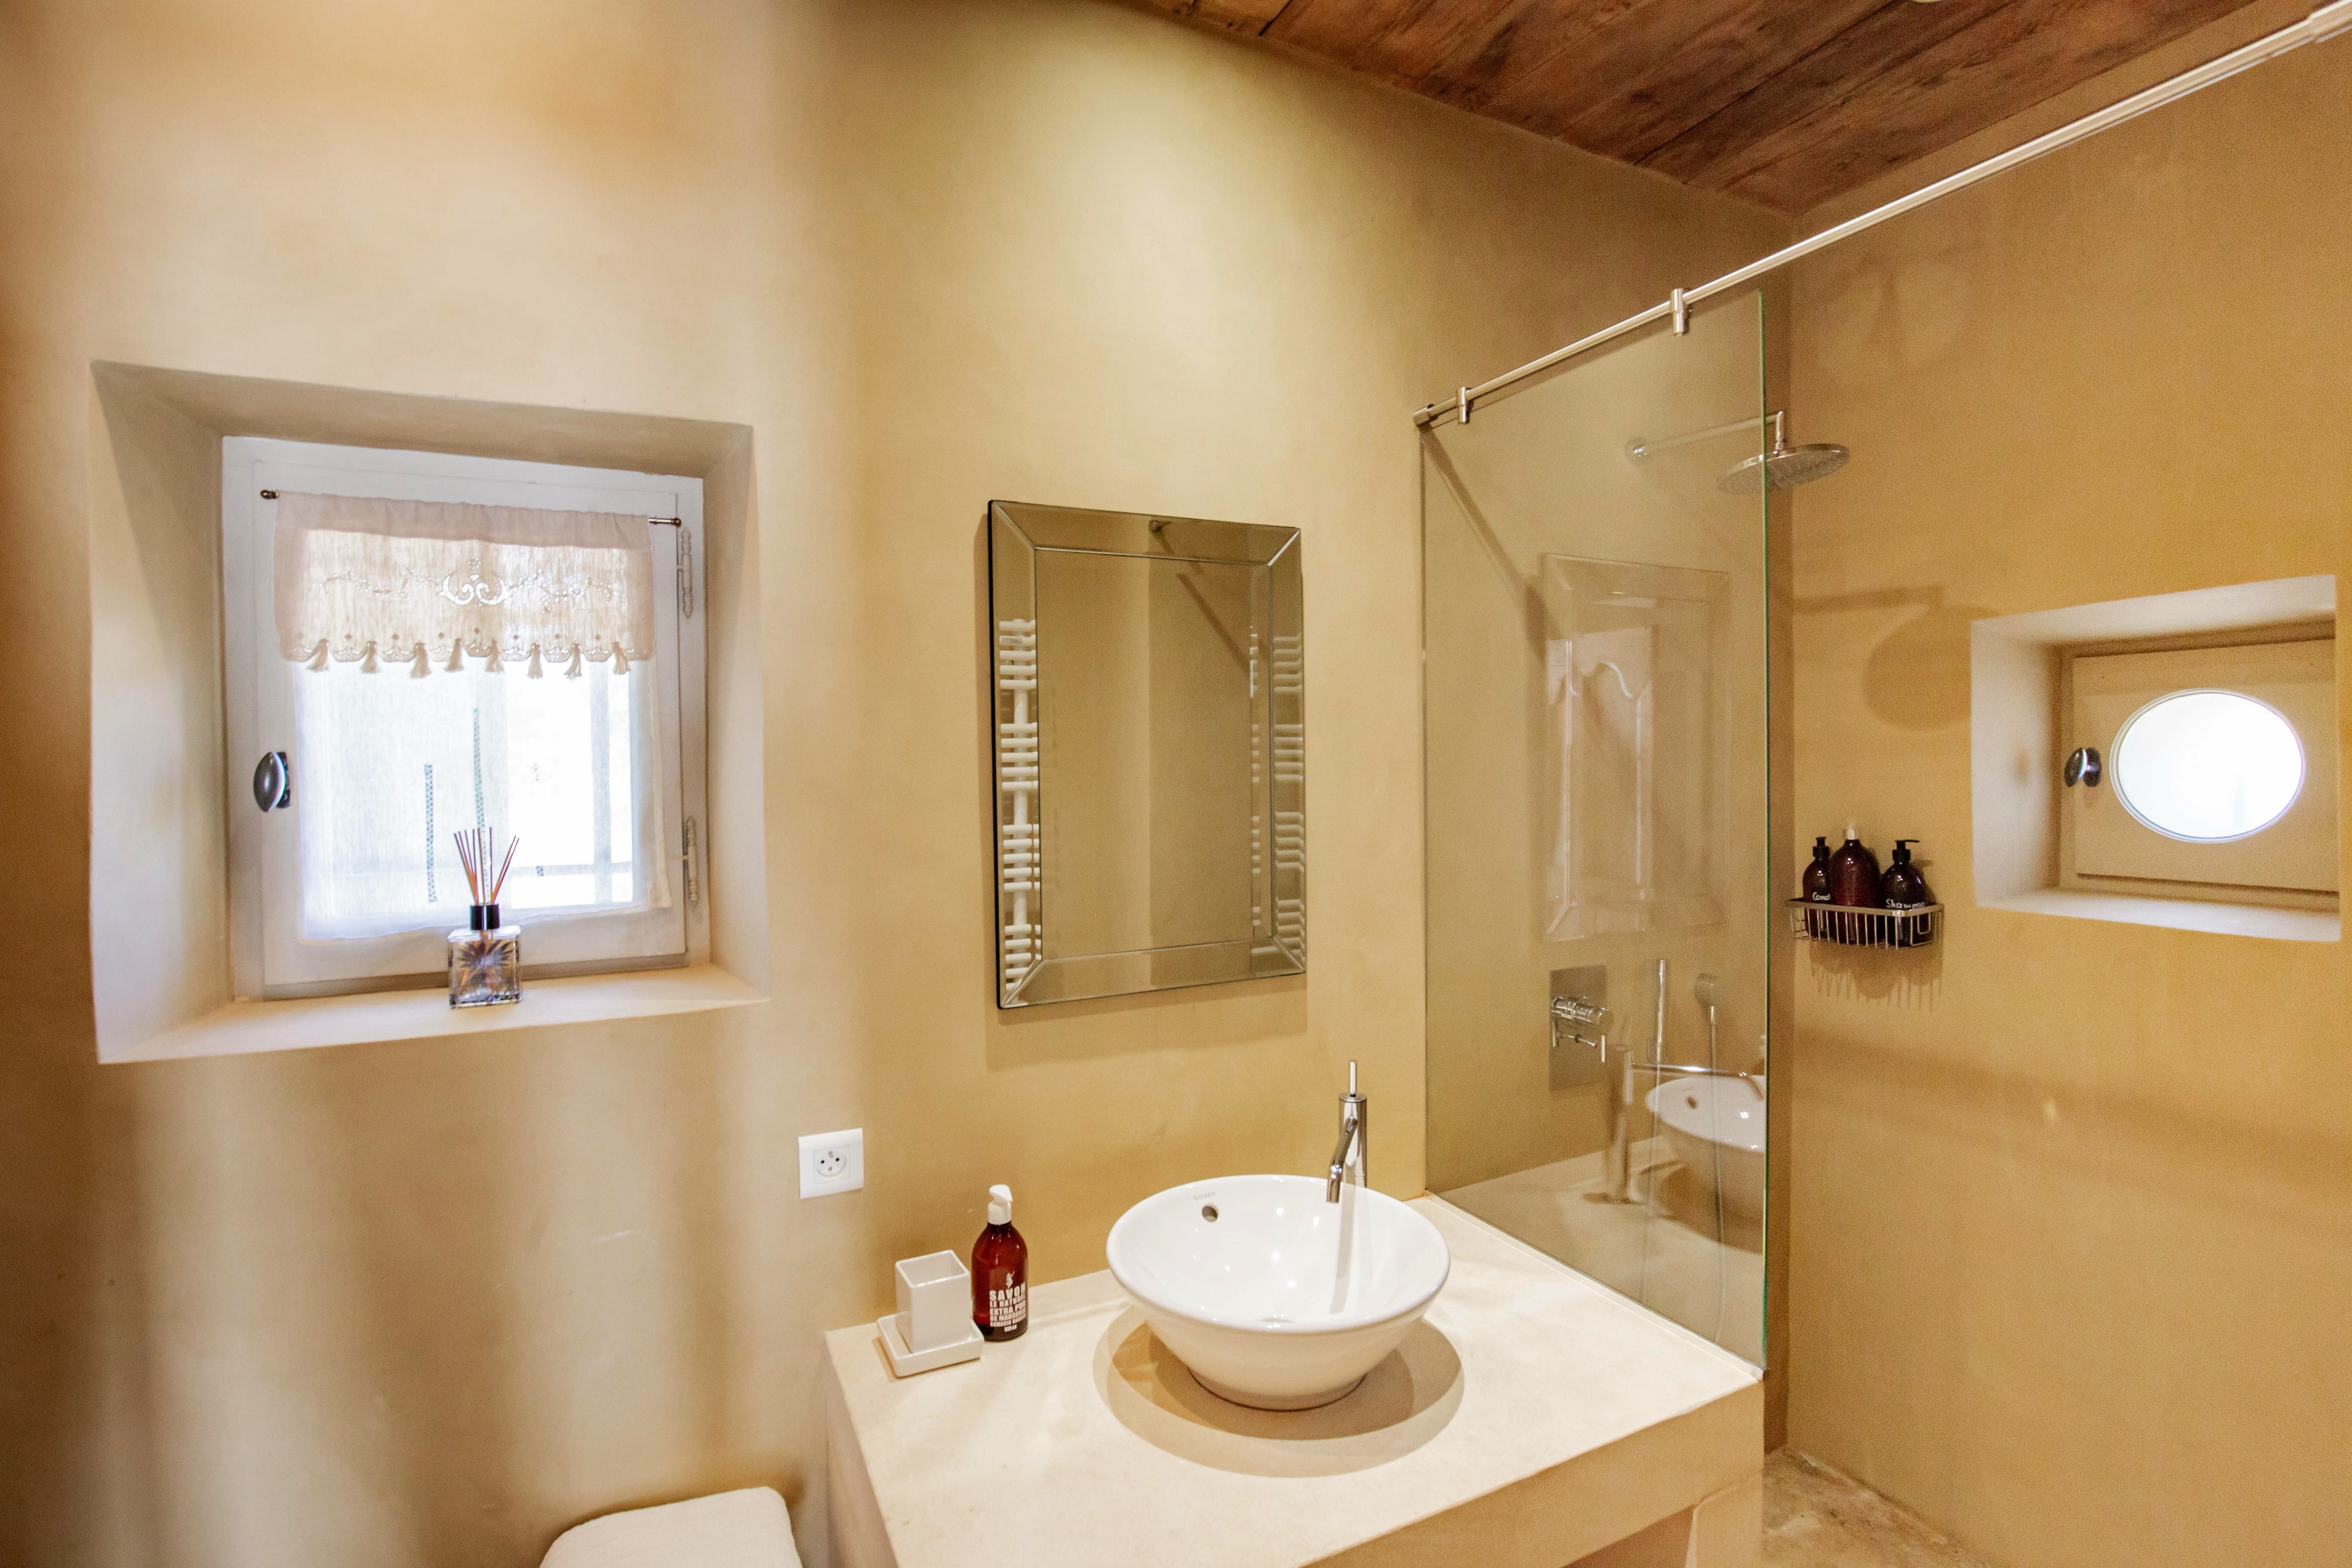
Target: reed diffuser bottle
[[485, 956]]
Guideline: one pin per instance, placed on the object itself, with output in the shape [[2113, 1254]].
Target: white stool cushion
[[747, 1528]]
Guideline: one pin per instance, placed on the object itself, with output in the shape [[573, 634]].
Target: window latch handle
[[2083, 767], [273, 780]]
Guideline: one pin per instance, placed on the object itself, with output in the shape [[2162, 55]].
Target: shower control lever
[[1576, 1015]]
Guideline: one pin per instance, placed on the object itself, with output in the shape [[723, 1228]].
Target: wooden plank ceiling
[[1783, 102]]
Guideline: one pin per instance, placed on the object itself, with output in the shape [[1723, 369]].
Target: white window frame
[[2098, 830], [265, 961]]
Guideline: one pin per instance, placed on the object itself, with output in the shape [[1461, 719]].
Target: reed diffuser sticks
[[475, 850]]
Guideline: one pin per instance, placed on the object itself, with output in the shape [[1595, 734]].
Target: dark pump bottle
[[1853, 874], [1817, 875], [1903, 886], [1854, 885], [1817, 885], [1000, 1273], [1905, 889]]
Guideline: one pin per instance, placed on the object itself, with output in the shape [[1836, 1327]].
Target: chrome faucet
[[1350, 1159]]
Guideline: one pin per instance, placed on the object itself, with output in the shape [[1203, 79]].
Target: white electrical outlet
[[833, 1162]]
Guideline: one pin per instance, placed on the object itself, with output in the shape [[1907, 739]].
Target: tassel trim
[[420, 660]]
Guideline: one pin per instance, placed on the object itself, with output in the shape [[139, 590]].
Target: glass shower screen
[[1599, 919]]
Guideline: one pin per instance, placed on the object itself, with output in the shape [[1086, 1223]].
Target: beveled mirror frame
[[1018, 534]]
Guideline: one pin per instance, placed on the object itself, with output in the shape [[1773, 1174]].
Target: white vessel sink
[[1272, 1295]]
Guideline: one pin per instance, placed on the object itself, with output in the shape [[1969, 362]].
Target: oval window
[[2208, 766]]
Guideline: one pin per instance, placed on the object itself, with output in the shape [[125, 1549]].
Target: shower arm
[[1779, 420]]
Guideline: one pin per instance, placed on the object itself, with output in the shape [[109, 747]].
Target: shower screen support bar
[[2325, 22]]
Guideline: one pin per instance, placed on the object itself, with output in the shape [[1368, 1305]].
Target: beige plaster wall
[[428, 1303], [2069, 1245]]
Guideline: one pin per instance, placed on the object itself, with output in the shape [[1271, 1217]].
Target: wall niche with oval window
[[2217, 771], [2168, 760]]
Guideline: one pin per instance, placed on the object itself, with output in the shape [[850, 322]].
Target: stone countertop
[[1532, 1417]]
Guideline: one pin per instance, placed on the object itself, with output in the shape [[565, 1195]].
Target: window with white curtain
[[440, 645]]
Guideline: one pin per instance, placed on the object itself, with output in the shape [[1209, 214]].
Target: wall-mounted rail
[[2325, 22]]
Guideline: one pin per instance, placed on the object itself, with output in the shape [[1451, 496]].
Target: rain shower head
[[1784, 466]]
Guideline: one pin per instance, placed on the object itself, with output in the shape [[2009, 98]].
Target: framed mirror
[[1150, 752]]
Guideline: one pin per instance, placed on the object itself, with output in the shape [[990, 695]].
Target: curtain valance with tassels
[[427, 583]]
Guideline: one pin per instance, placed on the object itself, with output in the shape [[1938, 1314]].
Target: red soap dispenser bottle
[[1000, 1273]]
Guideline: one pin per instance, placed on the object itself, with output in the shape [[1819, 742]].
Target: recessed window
[[2219, 772], [440, 644], [2208, 766]]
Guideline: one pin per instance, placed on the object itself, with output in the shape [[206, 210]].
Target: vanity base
[[1533, 1420]]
